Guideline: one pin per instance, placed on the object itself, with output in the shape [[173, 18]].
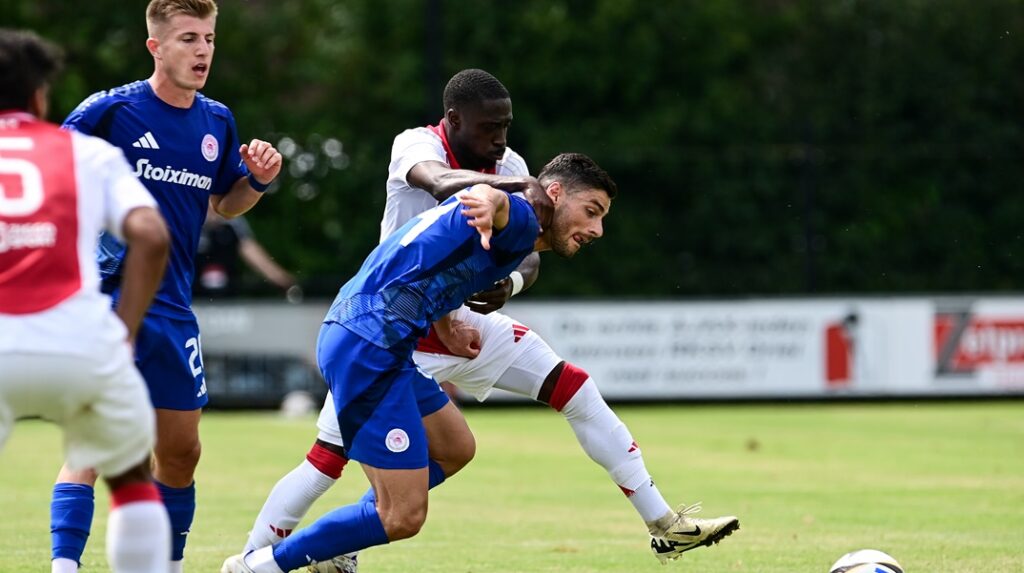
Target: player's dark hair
[[470, 87], [27, 63], [577, 172]]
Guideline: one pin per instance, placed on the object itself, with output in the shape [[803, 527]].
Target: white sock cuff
[[262, 561]]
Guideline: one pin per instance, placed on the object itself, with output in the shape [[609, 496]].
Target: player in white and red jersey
[[65, 356], [488, 350]]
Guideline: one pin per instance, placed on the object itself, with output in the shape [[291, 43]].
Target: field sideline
[[938, 485]]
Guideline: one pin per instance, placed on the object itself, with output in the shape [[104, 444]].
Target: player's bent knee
[[404, 524], [458, 454], [177, 458], [85, 477], [562, 384]]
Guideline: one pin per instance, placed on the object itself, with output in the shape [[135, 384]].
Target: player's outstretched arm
[[442, 181], [144, 263], [487, 209], [264, 163]]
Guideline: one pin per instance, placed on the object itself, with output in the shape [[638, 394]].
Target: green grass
[[938, 485]]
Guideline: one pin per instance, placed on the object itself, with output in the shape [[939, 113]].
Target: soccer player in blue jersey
[[417, 276], [185, 149]]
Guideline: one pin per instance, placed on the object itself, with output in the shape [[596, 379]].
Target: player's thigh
[[177, 433], [376, 408], [327, 423], [533, 361], [102, 403], [500, 338], [398, 490], [450, 441], [168, 352]]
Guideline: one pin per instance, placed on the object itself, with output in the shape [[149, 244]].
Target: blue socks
[[181, 508], [341, 531], [344, 530], [437, 477], [70, 520]]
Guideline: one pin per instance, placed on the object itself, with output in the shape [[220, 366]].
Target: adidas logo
[[147, 142]]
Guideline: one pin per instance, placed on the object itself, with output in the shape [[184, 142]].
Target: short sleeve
[[414, 146], [86, 116], [121, 190], [512, 165], [231, 168]]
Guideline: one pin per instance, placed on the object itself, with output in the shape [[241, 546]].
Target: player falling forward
[[468, 146], [185, 149], [417, 276], [64, 355]]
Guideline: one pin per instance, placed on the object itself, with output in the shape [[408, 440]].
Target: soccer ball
[[866, 561]]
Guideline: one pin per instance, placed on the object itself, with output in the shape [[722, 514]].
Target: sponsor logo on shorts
[[397, 440], [210, 147]]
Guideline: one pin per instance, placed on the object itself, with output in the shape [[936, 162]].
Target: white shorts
[[101, 401], [512, 357]]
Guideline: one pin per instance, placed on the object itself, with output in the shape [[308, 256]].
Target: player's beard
[[561, 239]]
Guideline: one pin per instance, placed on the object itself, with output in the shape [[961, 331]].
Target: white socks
[[287, 504], [608, 442], [262, 561], [62, 565], [139, 538]]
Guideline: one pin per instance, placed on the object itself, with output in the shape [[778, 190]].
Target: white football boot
[[341, 564], [681, 533]]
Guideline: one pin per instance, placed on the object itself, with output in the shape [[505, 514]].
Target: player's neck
[[169, 93]]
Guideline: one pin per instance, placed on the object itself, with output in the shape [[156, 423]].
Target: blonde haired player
[[184, 147]]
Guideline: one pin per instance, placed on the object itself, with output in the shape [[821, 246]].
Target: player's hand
[[263, 161], [490, 300], [519, 184], [485, 206], [461, 339]]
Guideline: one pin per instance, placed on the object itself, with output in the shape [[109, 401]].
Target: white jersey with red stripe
[[58, 190], [418, 145]]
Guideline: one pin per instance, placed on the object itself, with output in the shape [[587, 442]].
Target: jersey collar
[[441, 132]]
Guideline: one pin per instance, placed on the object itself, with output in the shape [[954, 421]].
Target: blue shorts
[[169, 356], [378, 395]]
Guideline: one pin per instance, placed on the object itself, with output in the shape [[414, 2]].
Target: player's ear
[[555, 191], [453, 118], [153, 45], [38, 105]]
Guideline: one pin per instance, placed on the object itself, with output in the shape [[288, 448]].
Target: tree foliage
[[761, 147]]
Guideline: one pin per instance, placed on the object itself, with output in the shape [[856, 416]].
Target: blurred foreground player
[[65, 356], [428, 164], [186, 151]]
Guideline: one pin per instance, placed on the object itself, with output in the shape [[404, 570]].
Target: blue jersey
[[182, 156], [428, 268]]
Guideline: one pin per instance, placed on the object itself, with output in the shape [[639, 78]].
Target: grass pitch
[[938, 485]]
